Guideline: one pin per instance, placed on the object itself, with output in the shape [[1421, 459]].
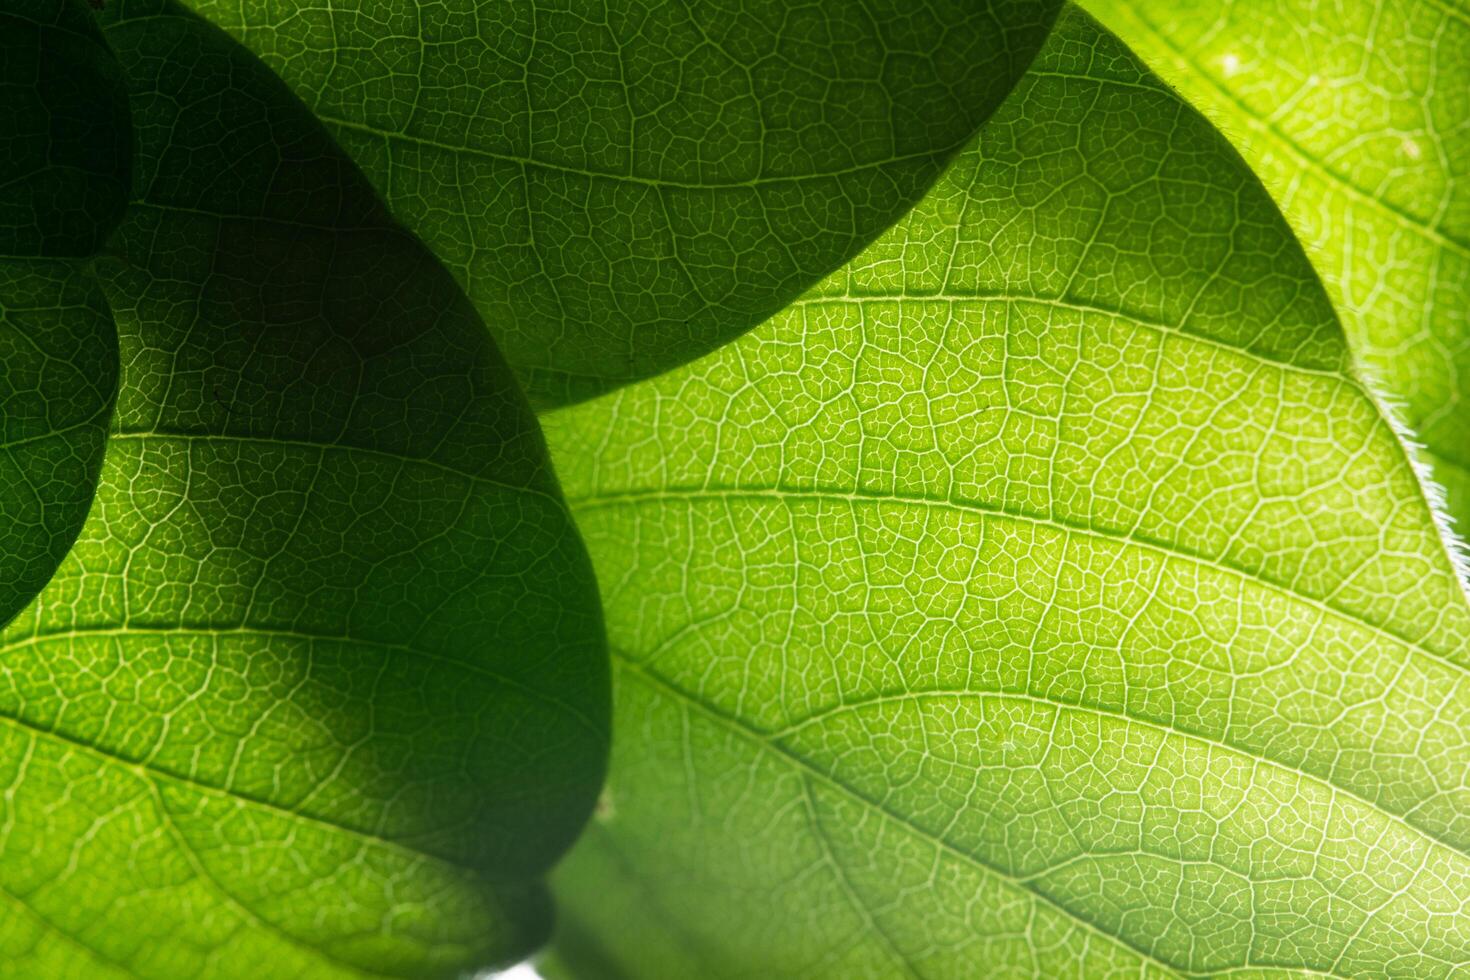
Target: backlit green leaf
[[1041, 595], [58, 379], [1357, 118], [622, 187], [321, 689], [64, 170]]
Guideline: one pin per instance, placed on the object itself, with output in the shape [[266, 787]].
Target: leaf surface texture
[[321, 690], [65, 167], [1040, 595], [623, 186], [1357, 118]]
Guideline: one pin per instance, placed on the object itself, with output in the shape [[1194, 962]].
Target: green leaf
[[65, 142], [623, 187], [1040, 595], [65, 157], [1355, 117], [58, 380], [321, 690]]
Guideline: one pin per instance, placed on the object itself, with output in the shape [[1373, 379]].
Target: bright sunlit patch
[[1409, 148], [1230, 63], [521, 971]]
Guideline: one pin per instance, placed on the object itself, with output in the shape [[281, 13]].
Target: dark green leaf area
[[621, 188], [65, 144], [324, 677], [58, 378]]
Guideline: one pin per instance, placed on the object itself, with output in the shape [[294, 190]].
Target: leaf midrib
[[61, 432], [151, 772], [1164, 729], [767, 742], [216, 631], [1070, 304], [808, 770], [656, 183], [324, 446], [150, 775], [786, 495]]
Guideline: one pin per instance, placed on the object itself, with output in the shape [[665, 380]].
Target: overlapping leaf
[[1042, 595], [321, 689], [622, 187], [1357, 118], [64, 171]]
